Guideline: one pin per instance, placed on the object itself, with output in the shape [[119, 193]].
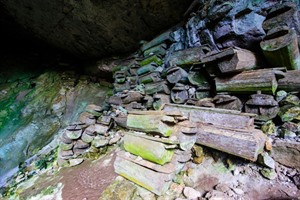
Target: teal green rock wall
[[35, 106]]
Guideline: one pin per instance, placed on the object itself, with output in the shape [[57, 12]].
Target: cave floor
[[85, 181], [89, 179]]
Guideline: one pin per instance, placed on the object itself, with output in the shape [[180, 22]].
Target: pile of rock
[[89, 137], [202, 70]]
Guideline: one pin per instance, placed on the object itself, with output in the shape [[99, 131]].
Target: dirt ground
[[85, 181], [88, 180]]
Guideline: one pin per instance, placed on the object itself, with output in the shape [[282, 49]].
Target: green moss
[[49, 190], [150, 59], [149, 124], [168, 132], [220, 168], [268, 127], [148, 154]]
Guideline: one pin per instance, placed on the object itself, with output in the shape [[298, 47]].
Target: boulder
[[191, 193], [286, 152]]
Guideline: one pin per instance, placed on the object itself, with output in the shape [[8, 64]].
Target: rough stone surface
[[269, 173], [191, 193], [76, 161], [287, 153], [95, 28]]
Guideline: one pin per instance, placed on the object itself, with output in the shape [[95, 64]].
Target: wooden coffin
[[264, 80], [213, 116], [187, 57], [247, 143], [229, 61], [280, 47]]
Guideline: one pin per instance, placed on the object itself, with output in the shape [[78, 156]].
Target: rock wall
[[95, 28], [34, 106]]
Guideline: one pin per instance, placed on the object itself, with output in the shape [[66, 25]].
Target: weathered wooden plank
[[152, 58], [157, 40], [150, 77], [188, 57], [280, 48], [264, 80], [166, 169], [146, 68], [147, 149], [157, 87], [160, 49], [162, 140], [245, 144], [231, 60], [214, 116], [156, 182], [149, 123], [177, 74], [290, 82], [282, 14]]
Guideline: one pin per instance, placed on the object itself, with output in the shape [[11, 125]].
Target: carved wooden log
[[176, 74], [263, 105], [228, 102], [166, 169], [188, 57], [133, 68], [179, 93], [134, 106], [121, 120], [218, 12], [282, 14], [131, 96], [132, 80], [160, 49], [147, 149], [157, 87], [156, 182], [164, 37], [290, 82], [156, 139], [147, 68], [149, 122], [121, 87], [280, 48], [159, 100], [197, 76], [203, 91], [152, 58], [148, 102], [120, 76], [231, 60], [150, 77], [214, 116], [247, 143], [264, 80]]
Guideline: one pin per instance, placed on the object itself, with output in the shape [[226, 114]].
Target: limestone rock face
[[95, 28]]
